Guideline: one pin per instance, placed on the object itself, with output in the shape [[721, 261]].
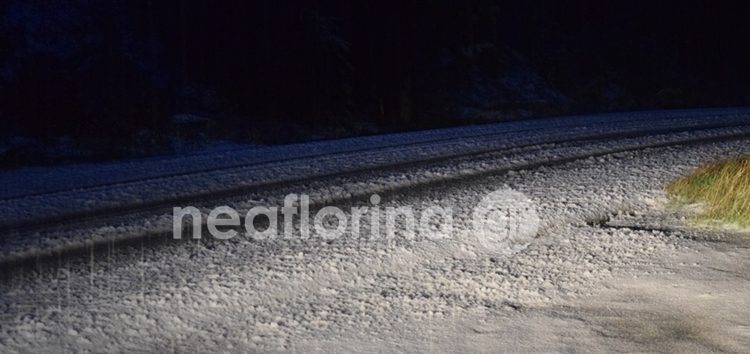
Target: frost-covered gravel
[[348, 293], [140, 225], [44, 193]]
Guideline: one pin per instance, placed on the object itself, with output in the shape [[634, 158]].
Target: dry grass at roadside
[[723, 188]]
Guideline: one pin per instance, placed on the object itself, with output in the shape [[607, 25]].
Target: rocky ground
[[613, 268]]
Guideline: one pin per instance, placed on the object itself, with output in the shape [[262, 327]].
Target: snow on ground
[[38, 193], [181, 188], [22, 245], [578, 286], [35, 180]]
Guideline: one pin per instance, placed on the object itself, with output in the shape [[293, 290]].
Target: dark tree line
[[102, 71]]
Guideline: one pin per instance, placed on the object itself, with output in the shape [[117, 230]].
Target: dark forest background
[[118, 78]]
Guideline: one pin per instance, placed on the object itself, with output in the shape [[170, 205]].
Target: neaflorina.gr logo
[[504, 222], [293, 219]]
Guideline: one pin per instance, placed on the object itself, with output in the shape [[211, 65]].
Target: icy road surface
[[612, 269]]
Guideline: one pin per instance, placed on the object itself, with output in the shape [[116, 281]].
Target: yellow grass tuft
[[722, 187]]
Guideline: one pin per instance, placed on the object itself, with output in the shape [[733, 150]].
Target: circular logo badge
[[505, 221]]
